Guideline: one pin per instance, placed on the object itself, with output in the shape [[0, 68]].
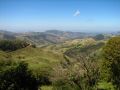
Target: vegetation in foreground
[[74, 69]]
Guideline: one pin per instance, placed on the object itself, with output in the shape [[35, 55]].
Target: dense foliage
[[112, 60], [11, 45], [17, 77], [99, 37], [82, 74]]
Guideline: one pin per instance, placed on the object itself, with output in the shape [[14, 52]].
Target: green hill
[[38, 59]]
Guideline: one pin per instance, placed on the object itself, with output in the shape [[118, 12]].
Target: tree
[[81, 74], [18, 77], [112, 60], [99, 37], [12, 45]]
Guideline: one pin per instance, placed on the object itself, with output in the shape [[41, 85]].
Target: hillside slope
[[38, 59]]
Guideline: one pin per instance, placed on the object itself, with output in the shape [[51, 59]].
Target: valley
[[44, 52]]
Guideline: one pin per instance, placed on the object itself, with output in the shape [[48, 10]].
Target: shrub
[[82, 74], [18, 77], [12, 45]]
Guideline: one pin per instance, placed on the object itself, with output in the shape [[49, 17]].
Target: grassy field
[[42, 59], [38, 59], [46, 88]]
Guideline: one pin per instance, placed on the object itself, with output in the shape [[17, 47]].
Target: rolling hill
[[46, 38]]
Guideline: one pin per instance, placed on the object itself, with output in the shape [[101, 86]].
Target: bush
[[18, 77], [82, 74], [12, 45]]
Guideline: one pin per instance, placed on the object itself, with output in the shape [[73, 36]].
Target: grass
[[44, 58], [46, 88], [105, 86], [38, 59], [41, 60]]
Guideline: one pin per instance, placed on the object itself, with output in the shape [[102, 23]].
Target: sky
[[69, 15]]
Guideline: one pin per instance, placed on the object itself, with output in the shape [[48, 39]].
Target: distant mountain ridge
[[68, 34], [7, 34], [47, 37], [50, 36]]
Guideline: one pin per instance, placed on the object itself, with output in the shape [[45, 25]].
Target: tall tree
[[112, 59]]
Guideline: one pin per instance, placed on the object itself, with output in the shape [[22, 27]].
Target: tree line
[[12, 45]]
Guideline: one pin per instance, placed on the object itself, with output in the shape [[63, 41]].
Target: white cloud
[[77, 13]]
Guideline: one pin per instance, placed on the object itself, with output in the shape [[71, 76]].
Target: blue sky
[[70, 15]]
